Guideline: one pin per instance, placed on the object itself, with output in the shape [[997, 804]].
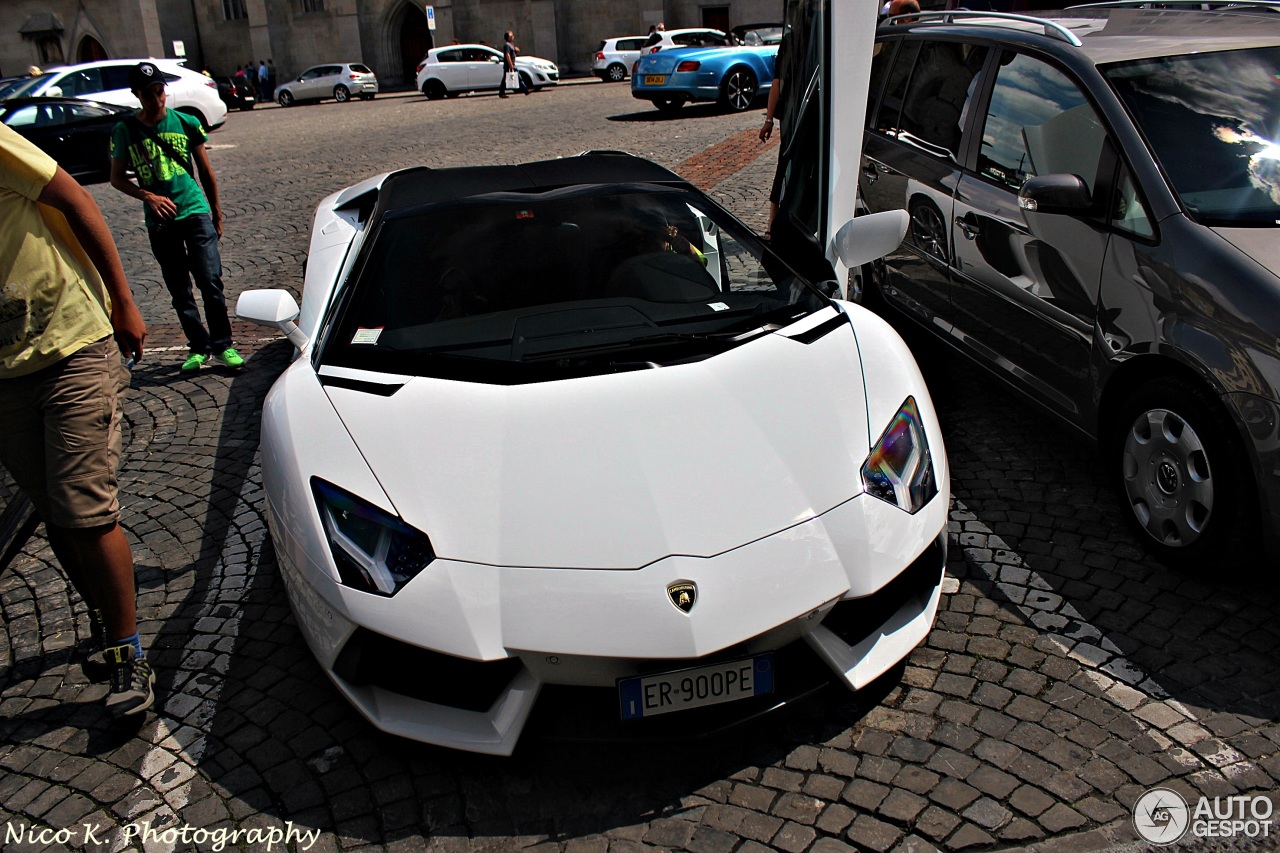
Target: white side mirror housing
[[275, 308], [863, 239]]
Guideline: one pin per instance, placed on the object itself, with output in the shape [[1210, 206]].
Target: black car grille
[[370, 659], [858, 618]]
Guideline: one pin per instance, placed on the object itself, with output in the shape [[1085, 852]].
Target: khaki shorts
[[60, 435]]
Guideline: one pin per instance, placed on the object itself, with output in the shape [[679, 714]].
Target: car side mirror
[[275, 308], [863, 239], [1055, 194]]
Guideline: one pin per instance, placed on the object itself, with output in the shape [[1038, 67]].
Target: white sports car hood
[[620, 470]]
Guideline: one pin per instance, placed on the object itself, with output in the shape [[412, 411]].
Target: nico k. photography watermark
[[20, 835], [1162, 816]]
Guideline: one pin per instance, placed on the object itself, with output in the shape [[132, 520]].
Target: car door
[[330, 77], [451, 69], [484, 68], [629, 51], [306, 87], [1025, 287], [911, 161]]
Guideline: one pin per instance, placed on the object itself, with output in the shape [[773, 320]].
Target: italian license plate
[[663, 693], [655, 79]]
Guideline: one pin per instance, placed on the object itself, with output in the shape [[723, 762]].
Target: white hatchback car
[[692, 37], [614, 57], [107, 81], [338, 80], [459, 68]]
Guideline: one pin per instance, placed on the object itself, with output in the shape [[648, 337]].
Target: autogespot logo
[[1161, 816]]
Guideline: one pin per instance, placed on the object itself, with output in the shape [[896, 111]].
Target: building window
[[234, 10], [312, 6]]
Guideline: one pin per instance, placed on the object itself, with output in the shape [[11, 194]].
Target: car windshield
[[1211, 120], [518, 287]]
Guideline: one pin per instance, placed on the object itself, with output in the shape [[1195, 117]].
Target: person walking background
[[183, 223], [62, 384], [509, 53]]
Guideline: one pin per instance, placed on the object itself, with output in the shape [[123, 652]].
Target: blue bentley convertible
[[734, 76]]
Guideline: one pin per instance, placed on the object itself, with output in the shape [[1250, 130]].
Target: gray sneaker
[[132, 681], [94, 665]]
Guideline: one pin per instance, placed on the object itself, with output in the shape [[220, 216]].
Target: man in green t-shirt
[[165, 148]]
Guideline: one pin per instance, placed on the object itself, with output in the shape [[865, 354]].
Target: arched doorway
[[91, 50], [415, 41]]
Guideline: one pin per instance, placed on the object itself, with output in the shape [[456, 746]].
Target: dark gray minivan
[[1095, 218]]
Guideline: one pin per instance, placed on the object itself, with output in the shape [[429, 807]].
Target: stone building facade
[[388, 35]]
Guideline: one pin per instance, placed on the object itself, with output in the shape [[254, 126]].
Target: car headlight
[[899, 470], [373, 550]]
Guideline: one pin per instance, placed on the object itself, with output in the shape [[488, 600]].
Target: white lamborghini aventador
[[567, 435]]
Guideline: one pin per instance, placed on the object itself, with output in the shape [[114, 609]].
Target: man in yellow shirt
[[63, 299]]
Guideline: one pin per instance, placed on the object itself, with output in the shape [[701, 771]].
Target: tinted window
[[700, 40], [360, 69], [1211, 121], [23, 117], [898, 74], [1130, 213], [117, 77], [940, 87], [450, 56], [78, 84], [1038, 123], [630, 44]]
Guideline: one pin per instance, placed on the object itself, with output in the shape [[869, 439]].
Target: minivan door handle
[[969, 225]]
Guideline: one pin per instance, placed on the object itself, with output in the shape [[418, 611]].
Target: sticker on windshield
[[367, 336], [717, 306]]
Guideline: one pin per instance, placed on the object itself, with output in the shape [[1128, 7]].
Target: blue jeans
[[188, 248]]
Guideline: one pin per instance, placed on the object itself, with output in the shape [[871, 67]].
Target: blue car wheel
[[738, 90]]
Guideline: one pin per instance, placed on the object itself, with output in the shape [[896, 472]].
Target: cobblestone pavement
[[1067, 674]]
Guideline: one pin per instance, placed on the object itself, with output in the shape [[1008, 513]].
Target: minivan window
[[1038, 123], [938, 94]]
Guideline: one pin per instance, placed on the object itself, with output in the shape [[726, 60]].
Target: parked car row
[[107, 81]]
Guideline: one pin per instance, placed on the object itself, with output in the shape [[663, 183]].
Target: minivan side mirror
[[863, 239], [1055, 194]]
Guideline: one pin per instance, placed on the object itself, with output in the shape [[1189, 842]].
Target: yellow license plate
[[655, 79]]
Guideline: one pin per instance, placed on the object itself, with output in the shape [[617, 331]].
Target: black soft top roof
[[418, 186]]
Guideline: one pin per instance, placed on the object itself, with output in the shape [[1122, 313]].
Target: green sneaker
[[229, 358], [194, 362]]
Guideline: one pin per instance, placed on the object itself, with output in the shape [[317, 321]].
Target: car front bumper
[[461, 656]]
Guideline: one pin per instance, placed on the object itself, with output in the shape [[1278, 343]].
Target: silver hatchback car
[[340, 81]]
